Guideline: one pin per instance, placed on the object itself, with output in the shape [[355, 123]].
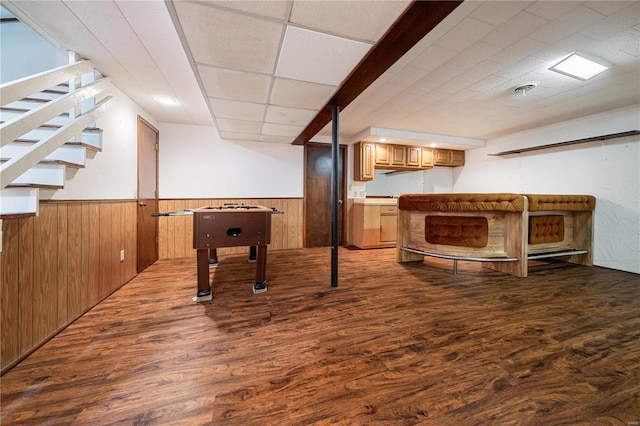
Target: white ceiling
[[261, 70]]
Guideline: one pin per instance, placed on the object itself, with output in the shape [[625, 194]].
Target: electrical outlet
[[121, 255]]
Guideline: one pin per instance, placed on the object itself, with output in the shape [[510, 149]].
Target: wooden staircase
[[47, 124]]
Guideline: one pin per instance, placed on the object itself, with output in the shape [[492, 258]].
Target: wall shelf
[[567, 143]]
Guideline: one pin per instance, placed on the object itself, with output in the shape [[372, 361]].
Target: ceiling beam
[[411, 27]]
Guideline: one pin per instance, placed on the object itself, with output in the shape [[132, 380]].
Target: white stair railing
[[22, 88], [30, 144]]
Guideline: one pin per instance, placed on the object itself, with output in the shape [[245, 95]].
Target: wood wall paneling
[[62, 265], [45, 272], [176, 232], [57, 265], [74, 261], [9, 261], [26, 290]]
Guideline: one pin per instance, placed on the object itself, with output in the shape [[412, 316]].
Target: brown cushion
[[461, 202], [557, 202], [546, 229], [456, 230]]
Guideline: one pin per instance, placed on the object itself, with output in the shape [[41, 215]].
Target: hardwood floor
[[394, 344]]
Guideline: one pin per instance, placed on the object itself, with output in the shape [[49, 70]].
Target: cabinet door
[[414, 156], [398, 155], [388, 229], [363, 156], [427, 158], [442, 157], [457, 158], [383, 154]]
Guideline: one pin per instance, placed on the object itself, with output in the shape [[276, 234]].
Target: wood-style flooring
[[394, 344]]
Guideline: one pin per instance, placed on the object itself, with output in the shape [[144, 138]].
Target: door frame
[[142, 122], [344, 149]]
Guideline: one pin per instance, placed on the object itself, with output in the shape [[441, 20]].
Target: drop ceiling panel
[[236, 85], [465, 34], [274, 129], [357, 22], [284, 115], [223, 108], [494, 14], [276, 9], [302, 94], [579, 18], [318, 58], [239, 126], [228, 39]]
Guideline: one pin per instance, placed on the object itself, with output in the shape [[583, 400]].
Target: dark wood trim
[[416, 22]]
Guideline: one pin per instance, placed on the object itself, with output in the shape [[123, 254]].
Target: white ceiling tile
[[300, 94], [488, 83], [275, 129], [239, 136], [614, 24], [556, 51], [515, 29], [276, 9], [146, 17], [318, 58], [519, 50], [277, 139], [552, 9], [224, 108], [348, 18], [285, 115], [464, 34], [497, 13], [576, 20], [239, 126], [235, 41], [474, 54], [433, 57], [236, 85]]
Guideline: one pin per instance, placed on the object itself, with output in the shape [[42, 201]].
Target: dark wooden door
[[147, 194], [317, 196]]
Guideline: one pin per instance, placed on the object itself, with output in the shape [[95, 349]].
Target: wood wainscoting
[[59, 264], [175, 233]]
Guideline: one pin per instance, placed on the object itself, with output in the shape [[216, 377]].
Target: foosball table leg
[[204, 289]]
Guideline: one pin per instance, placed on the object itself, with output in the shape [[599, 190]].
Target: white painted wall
[[113, 173], [25, 53], [196, 163], [436, 180], [608, 170]]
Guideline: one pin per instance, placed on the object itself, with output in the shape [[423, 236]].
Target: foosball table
[[228, 225]]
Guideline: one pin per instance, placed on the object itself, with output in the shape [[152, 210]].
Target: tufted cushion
[[461, 202], [456, 230], [546, 229], [557, 202]]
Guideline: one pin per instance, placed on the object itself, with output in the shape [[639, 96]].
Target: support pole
[[335, 153]]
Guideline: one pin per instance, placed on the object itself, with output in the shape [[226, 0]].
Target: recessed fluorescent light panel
[[579, 67]]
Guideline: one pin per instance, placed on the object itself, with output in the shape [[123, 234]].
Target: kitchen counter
[[376, 201]]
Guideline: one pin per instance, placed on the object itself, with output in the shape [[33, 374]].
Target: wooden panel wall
[[57, 265], [176, 232]]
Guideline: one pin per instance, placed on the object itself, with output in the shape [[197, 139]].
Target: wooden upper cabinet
[[448, 157], [457, 158], [398, 155], [383, 154], [427, 158], [414, 156], [363, 161]]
